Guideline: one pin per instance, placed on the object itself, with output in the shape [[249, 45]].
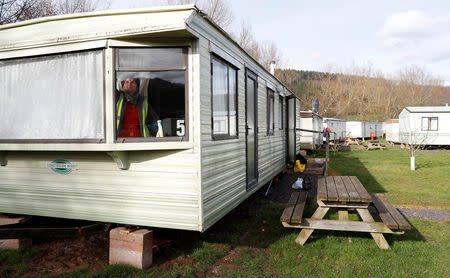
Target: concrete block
[[15, 243], [133, 248]]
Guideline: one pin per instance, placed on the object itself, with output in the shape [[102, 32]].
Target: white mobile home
[[354, 129], [357, 129], [392, 130], [337, 127], [372, 129], [311, 121], [80, 101], [379, 130], [425, 125]]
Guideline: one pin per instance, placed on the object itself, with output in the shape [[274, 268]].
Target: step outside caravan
[[225, 125]]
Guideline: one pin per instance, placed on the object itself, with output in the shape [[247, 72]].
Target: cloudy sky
[[385, 35]]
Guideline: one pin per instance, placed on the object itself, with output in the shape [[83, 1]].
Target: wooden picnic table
[[344, 194]]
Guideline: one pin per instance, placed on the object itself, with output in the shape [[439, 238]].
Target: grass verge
[[388, 171]]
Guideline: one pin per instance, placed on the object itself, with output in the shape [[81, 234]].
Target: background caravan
[[312, 121], [425, 125], [82, 107], [337, 127]]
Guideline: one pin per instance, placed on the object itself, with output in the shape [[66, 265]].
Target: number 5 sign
[[181, 128]]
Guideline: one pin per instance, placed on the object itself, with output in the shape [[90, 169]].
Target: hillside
[[358, 97]]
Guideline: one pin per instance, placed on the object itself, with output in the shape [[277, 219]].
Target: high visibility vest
[[142, 104]]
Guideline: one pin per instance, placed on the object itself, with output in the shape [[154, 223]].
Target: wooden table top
[[342, 189]]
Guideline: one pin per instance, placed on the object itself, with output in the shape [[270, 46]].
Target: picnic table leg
[[343, 215], [378, 237], [306, 233]]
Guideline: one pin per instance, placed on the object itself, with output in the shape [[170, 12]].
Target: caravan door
[[251, 125], [290, 129]]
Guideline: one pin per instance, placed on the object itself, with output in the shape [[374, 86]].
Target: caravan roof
[[429, 109]]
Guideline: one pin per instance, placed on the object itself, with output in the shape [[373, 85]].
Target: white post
[[413, 163], [411, 150]]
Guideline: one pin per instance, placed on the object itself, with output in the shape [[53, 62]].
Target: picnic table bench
[[344, 194]]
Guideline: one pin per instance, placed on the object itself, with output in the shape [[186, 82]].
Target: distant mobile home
[[311, 121], [425, 125], [379, 130], [229, 126], [392, 130], [337, 127], [357, 129]]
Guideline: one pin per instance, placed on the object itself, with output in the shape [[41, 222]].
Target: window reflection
[[149, 102]]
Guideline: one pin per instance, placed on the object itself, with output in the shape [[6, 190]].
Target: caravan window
[[56, 98], [270, 111], [429, 123], [281, 113], [151, 94], [224, 99]]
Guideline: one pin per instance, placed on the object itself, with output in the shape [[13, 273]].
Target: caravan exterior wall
[[379, 130], [426, 125], [370, 128], [186, 180], [392, 130], [337, 127], [354, 129]]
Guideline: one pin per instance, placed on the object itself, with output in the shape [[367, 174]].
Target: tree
[[415, 139], [362, 93], [18, 10], [79, 6], [218, 10]]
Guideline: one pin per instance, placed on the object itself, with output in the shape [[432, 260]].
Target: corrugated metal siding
[[160, 189], [223, 162]]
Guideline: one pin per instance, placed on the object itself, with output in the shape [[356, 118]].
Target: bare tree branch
[[19, 10]]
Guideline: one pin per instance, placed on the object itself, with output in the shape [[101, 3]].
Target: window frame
[[103, 93], [281, 112], [429, 123], [270, 110], [184, 68], [216, 137]]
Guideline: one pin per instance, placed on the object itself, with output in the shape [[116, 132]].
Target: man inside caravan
[[132, 111]]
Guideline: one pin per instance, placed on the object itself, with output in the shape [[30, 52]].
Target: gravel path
[[426, 214], [281, 192]]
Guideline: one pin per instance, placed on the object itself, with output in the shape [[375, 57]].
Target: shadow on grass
[[256, 224]]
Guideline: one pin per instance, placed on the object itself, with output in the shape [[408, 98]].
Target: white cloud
[[416, 37], [412, 28]]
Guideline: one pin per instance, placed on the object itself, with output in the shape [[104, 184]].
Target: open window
[[151, 94], [53, 98]]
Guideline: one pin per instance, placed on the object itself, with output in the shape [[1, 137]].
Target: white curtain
[[220, 98], [52, 97]]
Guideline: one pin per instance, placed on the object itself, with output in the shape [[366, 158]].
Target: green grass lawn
[[388, 171]]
